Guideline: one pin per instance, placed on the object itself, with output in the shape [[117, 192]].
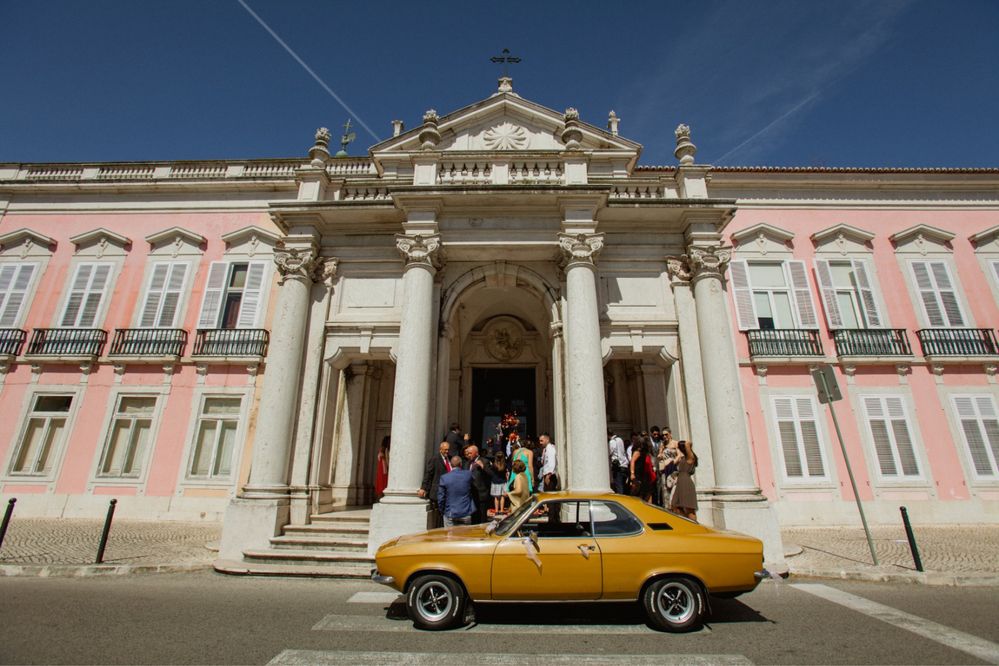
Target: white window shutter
[[862, 271], [903, 441], [948, 294], [211, 305], [87, 290], [78, 289], [14, 293], [798, 275], [928, 294], [882, 439], [784, 410], [833, 317], [743, 295], [154, 295], [173, 290], [810, 443], [249, 307]]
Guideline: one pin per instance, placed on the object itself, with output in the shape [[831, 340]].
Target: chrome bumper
[[761, 575], [380, 579]]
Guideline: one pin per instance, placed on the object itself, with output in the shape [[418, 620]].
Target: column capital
[[678, 269], [295, 263], [325, 270], [708, 261], [580, 248], [420, 250]]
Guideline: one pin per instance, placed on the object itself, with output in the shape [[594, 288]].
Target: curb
[[915, 577], [92, 570]]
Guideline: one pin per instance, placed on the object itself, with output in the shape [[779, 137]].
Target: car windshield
[[508, 523]]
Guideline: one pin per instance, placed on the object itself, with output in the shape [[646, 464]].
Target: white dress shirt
[[548, 460], [617, 451]]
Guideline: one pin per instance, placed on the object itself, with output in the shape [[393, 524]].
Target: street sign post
[[828, 388]]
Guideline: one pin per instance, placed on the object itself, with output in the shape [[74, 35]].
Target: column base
[[394, 516], [746, 511], [250, 524]]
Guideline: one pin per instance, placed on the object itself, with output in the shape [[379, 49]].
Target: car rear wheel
[[435, 602], [674, 603]]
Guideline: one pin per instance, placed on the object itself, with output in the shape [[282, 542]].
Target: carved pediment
[[842, 239], [100, 242], [763, 239], [923, 239]]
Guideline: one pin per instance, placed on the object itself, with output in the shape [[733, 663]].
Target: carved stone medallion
[[504, 343], [506, 136]]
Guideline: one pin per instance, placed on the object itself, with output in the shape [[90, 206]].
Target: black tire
[[435, 602], [674, 603]]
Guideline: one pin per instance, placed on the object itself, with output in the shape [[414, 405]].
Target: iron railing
[[231, 342], [871, 342], [784, 342], [958, 341], [11, 341], [67, 341], [148, 342]]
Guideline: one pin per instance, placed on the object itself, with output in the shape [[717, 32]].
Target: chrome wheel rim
[[676, 602], [434, 601]]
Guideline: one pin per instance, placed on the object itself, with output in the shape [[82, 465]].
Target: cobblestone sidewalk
[[73, 541], [958, 549]]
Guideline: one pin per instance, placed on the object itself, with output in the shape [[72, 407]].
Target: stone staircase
[[334, 545]]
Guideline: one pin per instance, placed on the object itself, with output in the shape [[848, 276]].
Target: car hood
[[459, 533]]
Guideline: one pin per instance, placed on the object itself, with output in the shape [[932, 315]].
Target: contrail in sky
[[784, 115], [308, 69]]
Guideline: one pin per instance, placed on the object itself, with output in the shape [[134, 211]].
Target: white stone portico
[[501, 254]]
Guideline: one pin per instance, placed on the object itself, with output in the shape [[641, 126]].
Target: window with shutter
[[163, 294], [979, 421], [14, 282], [804, 305], [249, 309], [893, 445], [938, 294], [801, 445], [87, 293], [743, 296], [211, 305], [43, 436]]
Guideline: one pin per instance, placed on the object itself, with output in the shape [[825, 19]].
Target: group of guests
[[655, 467], [465, 485]]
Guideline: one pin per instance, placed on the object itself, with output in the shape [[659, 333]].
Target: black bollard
[[107, 530], [6, 518], [912, 539]]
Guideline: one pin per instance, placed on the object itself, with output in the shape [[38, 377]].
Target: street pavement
[[209, 618]]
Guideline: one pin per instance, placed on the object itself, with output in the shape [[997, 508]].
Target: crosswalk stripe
[[376, 623], [373, 597], [959, 640], [320, 658]]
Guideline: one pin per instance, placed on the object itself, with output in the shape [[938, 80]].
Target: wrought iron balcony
[[148, 342], [231, 342], [871, 342], [784, 342], [11, 341], [958, 341], [67, 341]]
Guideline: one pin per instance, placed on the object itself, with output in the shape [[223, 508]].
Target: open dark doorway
[[500, 391]]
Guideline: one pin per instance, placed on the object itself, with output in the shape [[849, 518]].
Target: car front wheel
[[674, 604], [435, 602]]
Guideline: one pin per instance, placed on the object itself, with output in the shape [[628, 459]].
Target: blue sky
[[844, 83]]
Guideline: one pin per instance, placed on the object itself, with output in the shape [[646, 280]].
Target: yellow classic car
[[570, 546]]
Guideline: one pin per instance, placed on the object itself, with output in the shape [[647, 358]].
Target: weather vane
[[505, 58], [345, 139]]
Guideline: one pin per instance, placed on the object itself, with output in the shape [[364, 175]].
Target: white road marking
[[373, 597], [375, 623], [958, 640], [319, 657]]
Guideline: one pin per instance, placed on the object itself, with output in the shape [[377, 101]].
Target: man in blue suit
[[454, 495]]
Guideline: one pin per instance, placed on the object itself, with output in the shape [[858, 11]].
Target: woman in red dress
[[381, 474]]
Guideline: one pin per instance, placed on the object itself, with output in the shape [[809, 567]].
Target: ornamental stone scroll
[[708, 261], [421, 250], [295, 263], [580, 248]]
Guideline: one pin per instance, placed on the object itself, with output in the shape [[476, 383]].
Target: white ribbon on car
[[532, 553]]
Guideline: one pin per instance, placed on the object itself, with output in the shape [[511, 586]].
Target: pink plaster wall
[[86, 437], [944, 469]]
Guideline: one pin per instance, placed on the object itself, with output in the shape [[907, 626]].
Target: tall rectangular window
[[979, 421], [798, 430], [215, 440], [893, 445], [233, 295], [43, 435], [938, 294], [86, 294], [772, 295], [161, 305], [14, 282], [848, 293], [129, 437]]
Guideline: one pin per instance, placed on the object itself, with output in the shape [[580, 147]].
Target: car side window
[[612, 519], [559, 519]]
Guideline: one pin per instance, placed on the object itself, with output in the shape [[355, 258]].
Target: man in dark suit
[[437, 466], [481, 482], [454, 441]]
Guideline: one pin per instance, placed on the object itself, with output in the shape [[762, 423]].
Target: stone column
[[735, 502], [588, 468], [262, 509], [401, 511]]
